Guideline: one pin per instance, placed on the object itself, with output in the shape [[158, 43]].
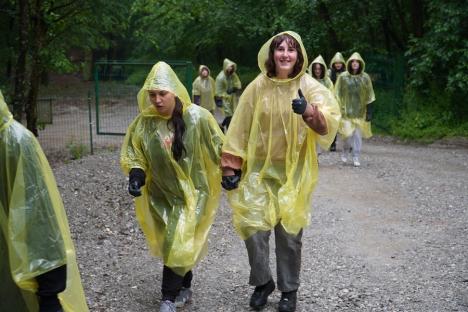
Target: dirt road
[[391, 235]]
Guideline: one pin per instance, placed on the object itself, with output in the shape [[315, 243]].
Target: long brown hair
[[275, 43], [178, 124]]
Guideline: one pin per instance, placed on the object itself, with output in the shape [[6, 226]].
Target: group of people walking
[[177, 159]]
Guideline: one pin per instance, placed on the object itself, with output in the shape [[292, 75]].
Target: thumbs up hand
[[299, 105]]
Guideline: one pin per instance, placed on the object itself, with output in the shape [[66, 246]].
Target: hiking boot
[[356, 162], [184, 297], [260, 295], [288, 301], [167, 306]]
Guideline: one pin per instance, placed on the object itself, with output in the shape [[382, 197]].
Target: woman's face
[[338, 66], [285, 58], [317, 70], [163, 100], [204, 73], [355, 65]]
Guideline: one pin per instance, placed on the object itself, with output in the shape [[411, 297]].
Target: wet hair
[[178, 124], [350, 69], [275, 43], [322, 74]]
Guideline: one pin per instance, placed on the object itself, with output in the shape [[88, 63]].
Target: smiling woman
[[269, 162]]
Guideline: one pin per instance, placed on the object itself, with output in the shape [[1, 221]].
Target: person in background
[[203, 89], [355, 94], [171, 153], [337, 67], [38, 270], [228, 87], [270, 166], [318, 71]]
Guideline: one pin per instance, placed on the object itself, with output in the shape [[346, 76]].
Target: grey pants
[[354, 141], [288, 258]]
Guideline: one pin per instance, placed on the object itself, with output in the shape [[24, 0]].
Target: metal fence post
[[91, 147]]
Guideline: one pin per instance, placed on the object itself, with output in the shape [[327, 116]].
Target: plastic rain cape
[[325, 80], [279, 169], [337, 58], [205, 88], [179, 199], [225, 82], [354, 92], [34, 233]]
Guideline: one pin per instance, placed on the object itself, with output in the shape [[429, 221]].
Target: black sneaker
[[288, 301], [260, 295]]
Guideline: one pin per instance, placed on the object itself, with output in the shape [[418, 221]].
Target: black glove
[[219, 101], [197, 99], [136, 181], [226, 122], [369, 111], [231, 182], [230, 90], [299, 105]]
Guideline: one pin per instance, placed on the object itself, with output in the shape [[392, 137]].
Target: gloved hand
[[230, 90], [136, 181], [299, 105], [231, 182], [369, 111]]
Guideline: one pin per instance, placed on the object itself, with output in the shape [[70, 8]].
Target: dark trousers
[[288, 258], [49, 285], [172, 283]]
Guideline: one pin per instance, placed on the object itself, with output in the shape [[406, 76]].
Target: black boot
[[333, 146], [260, 295], [288, 301]]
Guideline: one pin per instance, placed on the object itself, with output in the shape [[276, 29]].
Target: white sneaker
[[167, 306], [356, 162], [184, 297], [344, 159]]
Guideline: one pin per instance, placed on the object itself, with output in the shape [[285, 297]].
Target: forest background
[[415, 50]]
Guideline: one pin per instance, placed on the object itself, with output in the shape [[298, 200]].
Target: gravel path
[[389, 236]]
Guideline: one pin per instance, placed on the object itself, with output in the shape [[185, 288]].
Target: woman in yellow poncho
[[270, 148], [318, 71], [172, 152], [228, 85], [337, 67], [38, 270], [355, 93], [203, 89]]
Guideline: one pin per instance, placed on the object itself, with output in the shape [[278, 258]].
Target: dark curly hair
[[275, 43]]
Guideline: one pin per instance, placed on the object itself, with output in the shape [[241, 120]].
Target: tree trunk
[[39, 28], [417, 17], [21, 86], [325, 16]]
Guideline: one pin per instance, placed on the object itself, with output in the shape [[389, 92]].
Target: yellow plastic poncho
[[325, 80], [354, 93], [337, 58], [277, 148], [34, 233], [180, 198], [205, 88], [225, 82]]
